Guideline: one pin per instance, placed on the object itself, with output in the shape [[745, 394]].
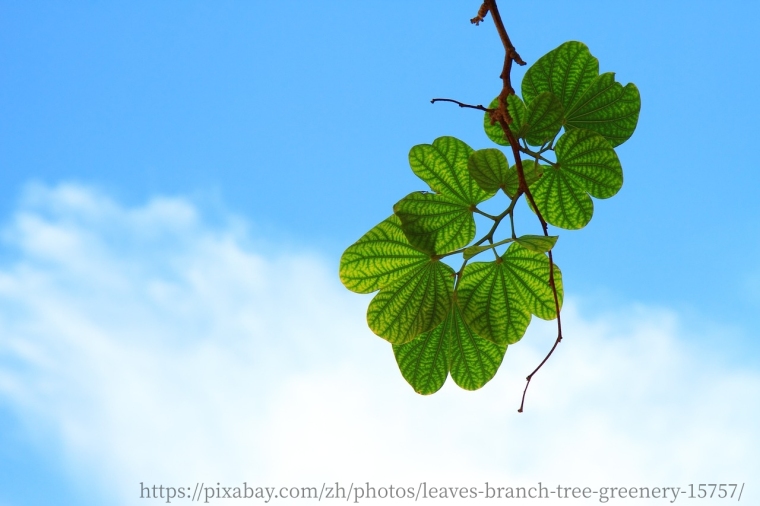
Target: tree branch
[[501, 115], [482, 12]]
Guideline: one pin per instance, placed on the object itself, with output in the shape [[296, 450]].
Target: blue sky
[[149, 151]]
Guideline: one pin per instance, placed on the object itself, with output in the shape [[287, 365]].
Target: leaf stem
[[537, 156], [459, 275], [489, 236], [489, 216], [507, 212], [492, 247], [503, 241]]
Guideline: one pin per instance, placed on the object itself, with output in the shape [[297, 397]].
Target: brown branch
[[460, 104], [559, 332], [510, 54], [482, 12], [501, 115]]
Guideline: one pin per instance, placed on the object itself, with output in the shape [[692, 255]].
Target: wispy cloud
[[159, 348]]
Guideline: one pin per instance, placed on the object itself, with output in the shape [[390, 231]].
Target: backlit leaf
[[566, 71], [413, 304], [435, 224], [561, 201], [424, 361], [590, 101], [474, 250], [607, 108], [544, 119], [591, 162], [443, 166], [528, 272], [491, 304], [474, 360], [537, 243], [379, 257], [489, 168], [586, 164]]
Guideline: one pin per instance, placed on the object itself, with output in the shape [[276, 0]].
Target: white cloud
[[158, 348]]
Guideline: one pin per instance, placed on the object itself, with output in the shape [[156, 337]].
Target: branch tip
[[516, 57], [482, 13], [479, 107]]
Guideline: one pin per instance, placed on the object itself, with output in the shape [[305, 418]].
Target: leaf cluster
[[441, 321]]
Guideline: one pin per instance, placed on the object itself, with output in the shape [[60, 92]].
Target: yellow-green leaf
[[452, 346], [537, 243], [435, 224], [544, 119], [608, 108], [489, 168], [424, 361], [566, 71], [474, 360], [590, 101], [528, 273], [379, 257], [413, 304], [561, 200], [591, 162], [491, 304], [443, 166]]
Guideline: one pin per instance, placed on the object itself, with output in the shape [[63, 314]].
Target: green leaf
[[566, 71], [489, 168], [532, 172], [435, 224], [607, 108], [491, 304], [586, 164], [474, 250], [528, 273], [517, 111], [474, 360], [591, 162], [424, 361], [537, 243], [590, 101], [561, 201], [497, 298], [379, 257], [413, 304], [544, 119], [443, 166]]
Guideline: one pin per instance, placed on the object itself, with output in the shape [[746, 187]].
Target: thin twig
[[556, 342], [461, 104]]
